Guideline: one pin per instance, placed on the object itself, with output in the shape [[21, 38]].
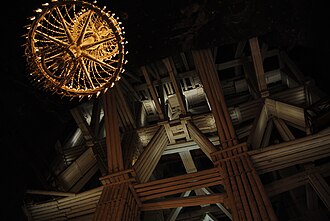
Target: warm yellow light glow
[[75, 49]]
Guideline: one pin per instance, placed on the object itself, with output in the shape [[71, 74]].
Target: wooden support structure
[[175, 211], [258, 66], [206, 68], [113, 142], [177, 88], [124, 112], [246, 194], [83, 125], [118, 200], [203, 142], [321, 187], [153, 92], [298, 151], [185, 201], [149, 158], [229, 130], [178, 184]]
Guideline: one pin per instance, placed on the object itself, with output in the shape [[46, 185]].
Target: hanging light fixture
[[75, 49]]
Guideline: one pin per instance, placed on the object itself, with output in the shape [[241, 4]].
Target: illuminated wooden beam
[[153, 92], [302, 150], [96, 116], [149, 158], [113, 141], [258, 128], [177, 88], [124, 111], [178, 184], [83, 125], [203, 142], [291, 113], [208, 74]]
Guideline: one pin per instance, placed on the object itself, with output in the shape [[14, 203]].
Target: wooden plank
[[177, 88], [321, 187], [184, 202], [203, 142], [258, 66], [153, 92]]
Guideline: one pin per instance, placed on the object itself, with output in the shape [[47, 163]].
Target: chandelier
[[75, 49]]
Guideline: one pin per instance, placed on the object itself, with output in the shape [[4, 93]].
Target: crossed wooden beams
[[245, 194]]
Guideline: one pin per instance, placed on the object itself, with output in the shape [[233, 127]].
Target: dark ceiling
[[31, 121]]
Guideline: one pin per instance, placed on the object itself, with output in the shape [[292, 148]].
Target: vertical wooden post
[[118, 200]]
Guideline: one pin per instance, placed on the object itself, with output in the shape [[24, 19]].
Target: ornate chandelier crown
[[75, 49]]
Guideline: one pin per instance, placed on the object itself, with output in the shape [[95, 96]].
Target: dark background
[[32, 121]]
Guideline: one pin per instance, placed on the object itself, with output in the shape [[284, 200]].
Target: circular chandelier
[[75, 49]]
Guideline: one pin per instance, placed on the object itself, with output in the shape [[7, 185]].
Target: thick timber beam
[[124, 111], [206, 69], [203, 142], [185, 201], [286, 154], [113, 142], [147, 161], [118, 200], [246, 194], [178, 184]]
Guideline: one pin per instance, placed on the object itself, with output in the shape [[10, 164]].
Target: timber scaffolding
[[197, 137]]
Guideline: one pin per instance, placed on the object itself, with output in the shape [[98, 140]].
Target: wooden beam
[[96, 116], [241, 61], [258, 66], [283, 129], [302, 150], [175, 211], [258, 128], [49, 193], [178, 184], [287, 112], [124, 111], [149, 158], [238, 54], [83, 125], [321, 187], [291, 182], [203, 142], [168, 62], [113, 142], [153, 92], [205, 67], [184, 202]]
